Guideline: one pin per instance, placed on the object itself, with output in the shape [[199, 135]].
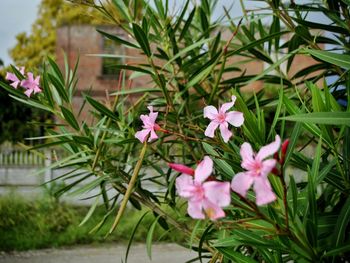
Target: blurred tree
[[15, 118], [31, 49]]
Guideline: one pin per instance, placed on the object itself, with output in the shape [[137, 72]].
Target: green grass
[[43, 223]]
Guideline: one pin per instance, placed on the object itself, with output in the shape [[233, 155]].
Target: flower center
[[221, 117], [257, 168], [198, 192]]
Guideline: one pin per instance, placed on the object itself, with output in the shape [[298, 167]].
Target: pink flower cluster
[[31, 84], [206, 196], [221, 118]]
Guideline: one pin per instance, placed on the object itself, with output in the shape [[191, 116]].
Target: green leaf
[[59, 86], [56, 70], [47, 90], [250, 238], [117, 39], [293, 188], [342, 223], [227, 242], [32, 103], [141, 39], [338, 251], [136, 90], [101, 108], [225, 167], [132, 236], [123, 10], [69, 117], [187, 49], [133, 68], [326, 27], [89, 186], [235, 256], [90, 212], [149, 238], [187, 24], [256, 43], [329, 118], [340, 60]]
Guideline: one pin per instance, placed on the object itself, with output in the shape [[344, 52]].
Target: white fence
[[19, 174]]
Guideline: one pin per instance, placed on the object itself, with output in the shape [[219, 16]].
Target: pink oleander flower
[[204, 198], [222, 118], [149, 126], [258, 167], [12, 77], [31, 84]]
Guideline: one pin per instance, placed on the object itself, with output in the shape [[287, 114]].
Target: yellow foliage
[[32, 49]]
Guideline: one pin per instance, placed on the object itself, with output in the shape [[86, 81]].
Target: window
[[112, 57]]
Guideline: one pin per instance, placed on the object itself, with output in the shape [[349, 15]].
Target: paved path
[[111, 253]]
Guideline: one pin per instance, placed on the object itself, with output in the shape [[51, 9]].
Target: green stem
[[223, 64], [101, 145], [130, 187]]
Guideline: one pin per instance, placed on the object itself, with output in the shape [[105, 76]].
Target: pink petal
[[144, 119], [30, 77], [15, 84], [269, 149], [263, 191], [22, 70], [37, 89], [28, 92], [210, 112], [218, 192], [210, 130], [241, 182], [184, 185], [235, 118], [195, 210], [228, 105], [141, 135], [212, 210], [267, 167], [225, 132], [247, 156], [152, 115], [181, 168], [153, 136], [11, 77], [203, 170], [37, 80]]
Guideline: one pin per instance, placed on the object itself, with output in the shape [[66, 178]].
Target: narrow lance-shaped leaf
[[149, 238], [340, 60], [117, 39], [141, 39], [329, 118], [101, 108], [69, 117]]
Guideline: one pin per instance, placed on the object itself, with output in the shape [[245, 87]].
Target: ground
[[161, 253]]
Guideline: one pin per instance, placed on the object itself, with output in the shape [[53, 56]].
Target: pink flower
[[12, 77], [31, 84], [149, 126], [258, 168], [204, 198], [222, 118]]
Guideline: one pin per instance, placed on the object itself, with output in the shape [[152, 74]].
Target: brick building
[[95, 73]]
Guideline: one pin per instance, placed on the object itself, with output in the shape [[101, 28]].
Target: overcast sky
[[17, 16]]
